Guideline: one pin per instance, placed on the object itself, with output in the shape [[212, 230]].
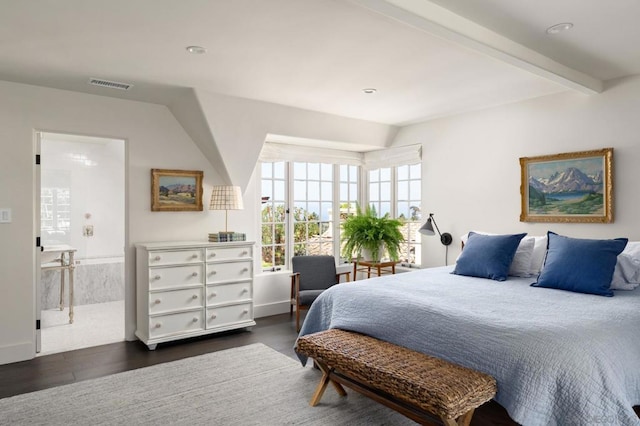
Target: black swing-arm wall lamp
[[427, 229]]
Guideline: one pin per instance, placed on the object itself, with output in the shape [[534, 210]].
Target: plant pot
[[367, 255]]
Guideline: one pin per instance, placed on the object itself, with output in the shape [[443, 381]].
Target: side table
[[381, 268]]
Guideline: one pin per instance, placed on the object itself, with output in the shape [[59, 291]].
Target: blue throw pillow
[[487, 256], [580, 265]]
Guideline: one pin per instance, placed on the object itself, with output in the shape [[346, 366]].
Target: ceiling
[[426, 59]]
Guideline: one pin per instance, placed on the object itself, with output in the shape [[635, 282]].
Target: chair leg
[[290, 309], [297, 319]]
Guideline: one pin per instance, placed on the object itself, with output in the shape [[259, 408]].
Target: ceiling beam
[[442, 23]]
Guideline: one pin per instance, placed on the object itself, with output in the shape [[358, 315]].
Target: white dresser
[[187, 289]]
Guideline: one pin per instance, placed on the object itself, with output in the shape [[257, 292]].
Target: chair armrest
[[295, 284], [339, 274]]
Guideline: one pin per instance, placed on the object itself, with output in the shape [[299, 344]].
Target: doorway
[[81, 291]]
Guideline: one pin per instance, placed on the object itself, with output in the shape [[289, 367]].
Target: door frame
[[37, 230]]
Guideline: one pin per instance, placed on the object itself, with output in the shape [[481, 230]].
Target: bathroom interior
[[82, 210]]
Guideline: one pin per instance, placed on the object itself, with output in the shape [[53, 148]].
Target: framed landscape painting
[[176, 190], [570, 187]]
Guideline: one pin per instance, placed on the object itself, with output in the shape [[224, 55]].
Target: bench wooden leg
[[339, 388], [463, 420], [317, 395], [322, 386]]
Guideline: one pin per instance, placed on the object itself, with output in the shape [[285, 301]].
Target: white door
[[38, 243]]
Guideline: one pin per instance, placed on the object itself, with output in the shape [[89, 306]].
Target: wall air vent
[[110, 84]]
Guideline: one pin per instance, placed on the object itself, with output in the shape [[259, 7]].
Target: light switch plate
[[5, 215]]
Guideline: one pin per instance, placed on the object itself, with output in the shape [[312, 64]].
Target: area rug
[[249, 385]]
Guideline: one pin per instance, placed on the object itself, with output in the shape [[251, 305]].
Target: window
[[274, 218], [380, 191], [349, 179], [55, 214], [397, 191], [313, 207], [306, 201], [408, 198]]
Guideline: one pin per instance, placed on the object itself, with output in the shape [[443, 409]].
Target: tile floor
[[93, 325]]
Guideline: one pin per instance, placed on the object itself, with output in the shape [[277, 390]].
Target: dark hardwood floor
[[277, 332]]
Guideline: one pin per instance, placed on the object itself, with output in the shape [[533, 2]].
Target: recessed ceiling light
[[369, 90], [196, 50], [558, 28]]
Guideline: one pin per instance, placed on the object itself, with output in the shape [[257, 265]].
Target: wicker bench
[[417, 385]]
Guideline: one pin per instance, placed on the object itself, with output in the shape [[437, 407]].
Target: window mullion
[[394, 192], [335, 211], [289, 208]]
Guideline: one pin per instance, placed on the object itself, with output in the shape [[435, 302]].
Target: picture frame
[[176, 190], [571, 187]]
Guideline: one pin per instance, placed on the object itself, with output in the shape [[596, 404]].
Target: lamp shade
[[226, 197], [427, 228]]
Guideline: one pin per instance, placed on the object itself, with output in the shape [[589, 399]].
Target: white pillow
[[521, 264], [626, 276], [539, 253]]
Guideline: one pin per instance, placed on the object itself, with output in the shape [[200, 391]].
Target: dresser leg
[[152, 347]]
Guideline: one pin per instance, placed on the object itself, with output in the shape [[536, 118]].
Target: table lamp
[[226, 197]]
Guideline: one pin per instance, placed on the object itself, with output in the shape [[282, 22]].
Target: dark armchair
[[311, 276]]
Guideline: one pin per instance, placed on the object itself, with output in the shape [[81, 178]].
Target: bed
[[559, 357]]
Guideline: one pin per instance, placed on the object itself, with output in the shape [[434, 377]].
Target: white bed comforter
[[559, 358]]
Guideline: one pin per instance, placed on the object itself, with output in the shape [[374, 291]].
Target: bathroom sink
[[53, 252]]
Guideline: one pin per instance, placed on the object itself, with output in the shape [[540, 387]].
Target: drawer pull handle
[[157, 301], [214, 294], [195, 274], [195, 319], [195, 296], [213, 316], [245, 290], [246, 311], [157, 258], [244, 253], [245, 270], [158, 325], [212, 273], [157, 277], [212, 255]]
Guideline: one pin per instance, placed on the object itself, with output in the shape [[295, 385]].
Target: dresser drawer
[[175, 323], [168, 301], [174, 257], [228, 253], [226, 293], [225, 272], [175, 276], [224, 315]]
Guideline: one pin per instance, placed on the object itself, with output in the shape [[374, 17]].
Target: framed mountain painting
[[176, 190], [570, 187]]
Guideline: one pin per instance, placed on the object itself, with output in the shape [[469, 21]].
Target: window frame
[[393, 210], [363, 198]]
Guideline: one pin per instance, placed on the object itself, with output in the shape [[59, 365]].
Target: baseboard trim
[[16, 353], [269, 309]]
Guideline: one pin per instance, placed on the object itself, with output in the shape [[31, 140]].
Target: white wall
[[471, 169], [154, 139]]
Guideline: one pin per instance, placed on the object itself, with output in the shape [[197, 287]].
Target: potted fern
[[366, 232]]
